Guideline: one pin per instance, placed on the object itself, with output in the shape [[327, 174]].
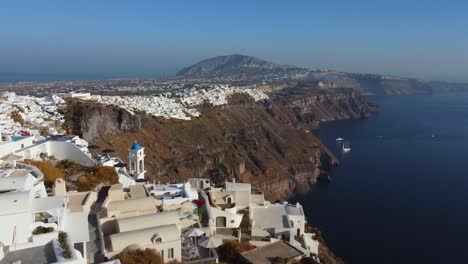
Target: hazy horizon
[[106, 39]]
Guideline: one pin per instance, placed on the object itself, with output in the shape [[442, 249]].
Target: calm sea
[[401, 194]]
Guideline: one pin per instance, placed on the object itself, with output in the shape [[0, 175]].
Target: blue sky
[[420, 38]]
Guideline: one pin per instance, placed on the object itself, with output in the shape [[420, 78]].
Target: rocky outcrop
[[91, 120], [266, 143]]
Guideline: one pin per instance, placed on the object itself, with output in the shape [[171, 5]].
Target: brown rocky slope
[[265, 143]]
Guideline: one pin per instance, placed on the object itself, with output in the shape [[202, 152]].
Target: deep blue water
[[400, 195]]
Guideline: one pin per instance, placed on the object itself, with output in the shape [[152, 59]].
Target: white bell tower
[[136, 160]]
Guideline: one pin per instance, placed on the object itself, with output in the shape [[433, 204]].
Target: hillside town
[[64, 219], [181, 104]]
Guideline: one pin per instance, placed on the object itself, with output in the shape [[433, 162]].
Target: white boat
[[339, 139], [346, 147]]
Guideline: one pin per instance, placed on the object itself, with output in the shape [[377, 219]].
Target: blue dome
[[136, 146]]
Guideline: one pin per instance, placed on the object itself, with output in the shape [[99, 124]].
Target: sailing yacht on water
[[346, 147]]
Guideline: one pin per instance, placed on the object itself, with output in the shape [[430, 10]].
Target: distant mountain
[[243, 69], [233, 65]]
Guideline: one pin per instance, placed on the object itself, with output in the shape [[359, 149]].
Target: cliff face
[[91, 120], [266, 144], [312, 106]]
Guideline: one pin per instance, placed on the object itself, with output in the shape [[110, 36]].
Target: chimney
[[59, 188]]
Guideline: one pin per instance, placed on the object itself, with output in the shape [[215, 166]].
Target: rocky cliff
[[267, 144]]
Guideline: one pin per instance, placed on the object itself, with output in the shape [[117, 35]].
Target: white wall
[[165, 246], [22, 222], [7, 147], [61, 150], [298, 223], [214, 212]]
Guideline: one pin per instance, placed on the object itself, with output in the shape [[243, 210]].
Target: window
[[162, 254], [156, 239], [170, 253]]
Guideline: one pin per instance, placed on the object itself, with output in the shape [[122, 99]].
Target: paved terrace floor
[[37, 255]]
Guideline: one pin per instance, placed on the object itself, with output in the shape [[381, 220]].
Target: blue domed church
[[136, 160]]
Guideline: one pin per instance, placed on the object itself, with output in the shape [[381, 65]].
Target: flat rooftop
[[267, 254], [273, 216]]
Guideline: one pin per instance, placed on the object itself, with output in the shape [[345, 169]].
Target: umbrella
[[108, 150], [94, 147], [211, 242], [195, 232], [120, 165], [11, 157]]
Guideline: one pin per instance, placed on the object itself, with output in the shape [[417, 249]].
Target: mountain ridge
[[226, 63], [244, 69]]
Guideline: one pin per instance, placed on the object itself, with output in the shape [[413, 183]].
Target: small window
[[156, 239], [162, 254], [170, 253], [232, 221]]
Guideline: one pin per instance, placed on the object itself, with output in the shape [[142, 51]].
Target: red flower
[[198, 202]]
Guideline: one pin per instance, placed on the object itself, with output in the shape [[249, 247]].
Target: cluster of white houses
[[184, 221], [180, 105], [39, 112]]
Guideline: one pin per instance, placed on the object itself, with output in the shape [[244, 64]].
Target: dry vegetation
[[230, 250], [16, 116], [327, 257], [88, 178], [99, 175], [78, 176], [49, 170]]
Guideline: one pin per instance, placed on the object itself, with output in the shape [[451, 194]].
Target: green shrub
[[62, 237], [42, 230]]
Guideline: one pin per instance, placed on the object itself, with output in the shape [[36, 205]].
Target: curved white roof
[[148, 221], [144, 237]]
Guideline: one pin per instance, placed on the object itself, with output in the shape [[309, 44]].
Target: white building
[[224, 205], [136, 159], [61, 148], [25, 209], [133, 221], [281, 221], [174, 194]]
